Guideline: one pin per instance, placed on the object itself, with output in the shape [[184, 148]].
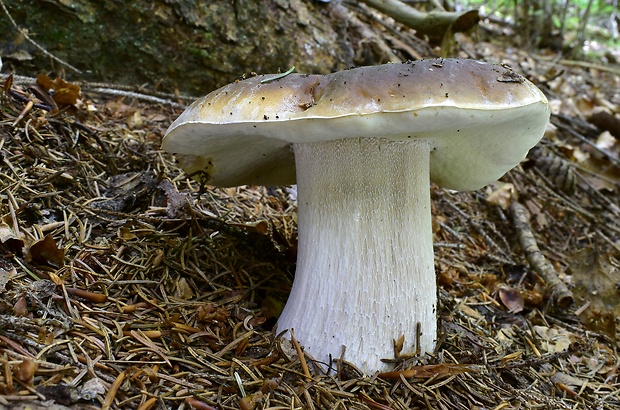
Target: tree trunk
[[184, 45]]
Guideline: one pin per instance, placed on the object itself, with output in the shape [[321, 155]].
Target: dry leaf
[[135, 119], [500, 193], [194, 403], [92, 388], [55, 279], [585, 105], [45, 250], [7, 232], [398, 345], [44, 81], [5, 276], [209, 313], [596, 281], [176, 202], [25, 371], [20, 308], [125, 233], [605, 120], [463, 308], [62, 92], [554, 340], [512, 299], [250, 402], [66, 93], [609, 143], [184, 290], [566, 379]]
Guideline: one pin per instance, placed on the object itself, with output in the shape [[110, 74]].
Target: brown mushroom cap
[[480, 118]]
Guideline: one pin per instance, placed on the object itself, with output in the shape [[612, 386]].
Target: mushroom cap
[[481, 119]]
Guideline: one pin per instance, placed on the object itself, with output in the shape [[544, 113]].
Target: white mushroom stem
[[365, 261]]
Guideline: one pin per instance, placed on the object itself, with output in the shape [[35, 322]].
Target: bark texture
[[184, 44]]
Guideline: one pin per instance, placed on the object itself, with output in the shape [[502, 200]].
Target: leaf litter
[[122, 287]]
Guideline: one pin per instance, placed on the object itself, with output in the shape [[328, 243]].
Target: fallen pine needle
[[109, 398], [300, 354], [89, 296], [147, 405], [431, 370]]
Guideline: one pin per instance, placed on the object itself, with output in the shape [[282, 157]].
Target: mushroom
[[363, 146]]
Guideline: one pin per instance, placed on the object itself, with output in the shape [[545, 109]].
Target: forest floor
[[123, 286]]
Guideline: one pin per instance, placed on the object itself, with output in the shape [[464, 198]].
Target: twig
[[586, 141], [116, 90], [560, 295], [411, 17], [582, 64], [34, 43], [137, 96]]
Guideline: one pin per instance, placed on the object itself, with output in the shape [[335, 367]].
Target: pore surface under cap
[[480, 119]]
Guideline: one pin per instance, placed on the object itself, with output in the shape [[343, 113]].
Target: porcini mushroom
[[363, 146]]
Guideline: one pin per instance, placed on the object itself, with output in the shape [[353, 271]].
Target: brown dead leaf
[[176, 202], [159, 118], [398, 345], [512, 299], [209, 313], [125, 233], [55, 279], [597, 283], [473, 313], [7, 230], [554, 339], [25, 371], [89, 296], [250, 402], [261, 227], [5, 276], [119, 108], [44, 81], [501, 194], [45, 250], [603, 175], [20, 308], [62, 92], [605, 120], [584, 105], [8, 83], [184, 290], [372, 404]]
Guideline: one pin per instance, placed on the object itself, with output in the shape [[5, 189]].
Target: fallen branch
[[561, 296], [433, 24]]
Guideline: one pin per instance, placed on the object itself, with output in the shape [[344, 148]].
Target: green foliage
[[569, 18]]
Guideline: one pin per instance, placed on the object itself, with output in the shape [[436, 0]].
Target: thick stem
[[365, 264]]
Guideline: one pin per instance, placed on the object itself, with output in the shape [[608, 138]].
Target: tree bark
[[184, 45], [192, 46]]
